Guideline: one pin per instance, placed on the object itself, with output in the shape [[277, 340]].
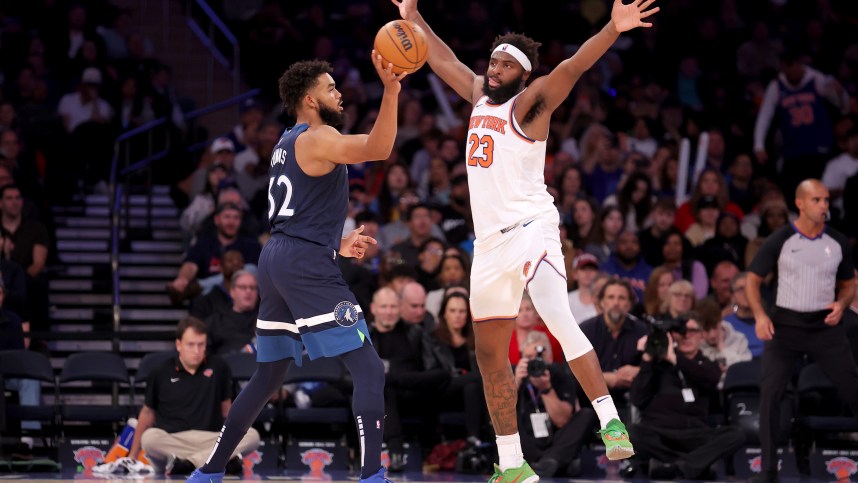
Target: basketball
[[403, 44]]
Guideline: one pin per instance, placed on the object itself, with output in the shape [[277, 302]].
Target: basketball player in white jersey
[[516, 224]]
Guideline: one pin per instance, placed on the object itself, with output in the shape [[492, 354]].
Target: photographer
[[673, 392], [550, 429]]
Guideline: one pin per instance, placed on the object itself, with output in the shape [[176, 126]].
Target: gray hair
[[240, 273], [539, 338]]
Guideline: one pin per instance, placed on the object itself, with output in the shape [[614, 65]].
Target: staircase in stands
[[81, 287]]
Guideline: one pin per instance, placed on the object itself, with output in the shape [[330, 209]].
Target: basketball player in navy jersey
[[305, 302], [517, 244]]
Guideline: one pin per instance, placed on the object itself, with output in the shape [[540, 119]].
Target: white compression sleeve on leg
[[548, 292]]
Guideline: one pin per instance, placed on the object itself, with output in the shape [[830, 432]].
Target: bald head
[[413, 306], [812, 199], [385, 309]]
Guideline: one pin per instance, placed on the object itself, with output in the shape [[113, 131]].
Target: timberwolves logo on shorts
[[346, 314]]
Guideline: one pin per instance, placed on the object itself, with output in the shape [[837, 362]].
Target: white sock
[[509, 452], [605, 409]]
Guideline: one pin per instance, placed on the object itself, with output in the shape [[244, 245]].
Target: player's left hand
[[626, 17], [354, 244], [836, 309]]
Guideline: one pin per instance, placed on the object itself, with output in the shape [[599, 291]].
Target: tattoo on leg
[[500, 393]]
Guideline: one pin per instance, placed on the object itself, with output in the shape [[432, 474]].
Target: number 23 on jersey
[[486, 145], [284, 210]]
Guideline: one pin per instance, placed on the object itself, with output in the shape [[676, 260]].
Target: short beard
[[627, 261], [332, 117], [504, 92], [615, 316]]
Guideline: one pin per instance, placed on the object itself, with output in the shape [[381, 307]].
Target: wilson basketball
[[403, 44]]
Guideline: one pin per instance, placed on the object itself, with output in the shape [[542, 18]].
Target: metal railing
[[214, 34], [120, 184]]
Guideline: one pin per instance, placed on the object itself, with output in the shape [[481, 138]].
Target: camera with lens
[[656, 342], [537, 366]]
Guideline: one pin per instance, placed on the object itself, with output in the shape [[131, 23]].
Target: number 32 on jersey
[[485, 144], [284, 210]]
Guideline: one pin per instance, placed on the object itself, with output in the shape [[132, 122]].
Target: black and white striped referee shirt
[[807, 269]]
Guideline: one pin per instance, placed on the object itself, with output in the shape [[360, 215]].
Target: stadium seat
[[94, 367], [325, 369], [24, 364], [242, 365], [820, 408]]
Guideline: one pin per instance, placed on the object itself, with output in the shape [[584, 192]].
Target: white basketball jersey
[[505, 169]]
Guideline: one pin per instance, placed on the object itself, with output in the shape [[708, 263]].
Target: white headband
[[516, 53]]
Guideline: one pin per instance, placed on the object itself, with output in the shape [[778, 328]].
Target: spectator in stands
[[203, 261], [134, 107], [456, 220], [582, 300], [250, 220], [431, 252], [800, 97], [14, 280], [187, 399], [759, 53], [27, 244], [395, 232], [15, 337], [603, 239], [673, 391], [684, 267], [234, 330], [635, 200], [570, 187], [219, 299], [581, 226], [656, 291], [395, 184], [773, 214], [839, 170], [435, 186], [719, 283], [223, 153], [419, 229], [615, 336], [528, 321], [741, 317], [728, 244], [453, 272], [652, 239], [741, 173], [203, 204], [362, 274], [412, 307], [452, 347], [681, 298], [249, 117], [252, 173], [551, 431], [411, 386], [627, 264], [721, 342], [84, 105], [706, 213], [710, 183]]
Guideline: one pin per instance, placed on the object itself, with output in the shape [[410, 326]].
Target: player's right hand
[[407, 8], [385, 73], [765, 328]]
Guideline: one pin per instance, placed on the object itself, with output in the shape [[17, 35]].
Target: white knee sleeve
[[547, 290]]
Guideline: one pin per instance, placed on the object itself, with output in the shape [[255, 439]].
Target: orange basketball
[[403, 44]]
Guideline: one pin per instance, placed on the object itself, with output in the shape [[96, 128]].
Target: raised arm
[[328, 144], [554, 88], [441, 58]]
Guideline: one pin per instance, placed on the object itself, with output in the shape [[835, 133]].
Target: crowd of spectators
[[773, 85]]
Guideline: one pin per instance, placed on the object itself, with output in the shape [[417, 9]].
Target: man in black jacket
[[673, 390], [411, 385]]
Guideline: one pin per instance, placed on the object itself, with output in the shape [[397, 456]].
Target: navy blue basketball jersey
[[312, 208], [804, 121]]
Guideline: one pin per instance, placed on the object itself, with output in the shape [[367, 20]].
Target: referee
[[812, 264]]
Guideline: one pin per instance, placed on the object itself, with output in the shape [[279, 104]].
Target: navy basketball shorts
[[305, 303]]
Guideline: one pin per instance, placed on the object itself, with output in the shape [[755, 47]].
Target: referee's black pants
[[828, 346]]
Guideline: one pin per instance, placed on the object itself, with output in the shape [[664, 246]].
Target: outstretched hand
[[354, 244], [385, 73], [406, 8], [626, 17]]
